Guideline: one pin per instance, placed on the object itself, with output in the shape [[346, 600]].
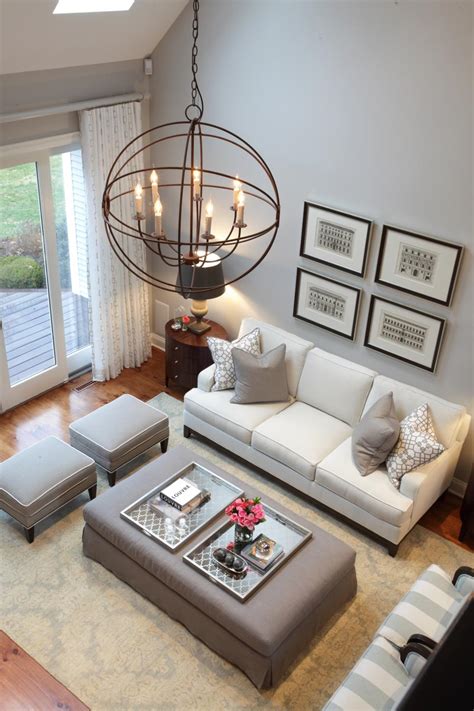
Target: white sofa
[[306, 442]]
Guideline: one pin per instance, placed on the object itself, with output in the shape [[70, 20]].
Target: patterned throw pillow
[[416, 445], [221, 351]]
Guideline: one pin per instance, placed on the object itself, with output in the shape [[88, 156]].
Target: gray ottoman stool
[[39, 480], [116, 433]]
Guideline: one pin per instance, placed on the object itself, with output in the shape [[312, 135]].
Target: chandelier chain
[[196, 108]]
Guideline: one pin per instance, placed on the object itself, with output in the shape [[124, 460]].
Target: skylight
[[81, 6]]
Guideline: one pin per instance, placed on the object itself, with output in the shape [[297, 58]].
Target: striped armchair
[[380, 678]]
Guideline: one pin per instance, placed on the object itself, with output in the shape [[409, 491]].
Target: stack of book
[[179, 498], [263, 552]]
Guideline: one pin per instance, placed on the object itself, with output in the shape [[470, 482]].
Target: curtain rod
[[77, 106]]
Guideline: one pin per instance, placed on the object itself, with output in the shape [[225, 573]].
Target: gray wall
[[365, 106], [34, 90]]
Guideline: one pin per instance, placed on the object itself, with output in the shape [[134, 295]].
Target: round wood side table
[[188, 354]]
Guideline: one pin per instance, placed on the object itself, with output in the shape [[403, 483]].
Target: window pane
[[24, 300], [70, 217]]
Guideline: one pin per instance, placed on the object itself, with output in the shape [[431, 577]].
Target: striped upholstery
[[378, 681], [428, 608]]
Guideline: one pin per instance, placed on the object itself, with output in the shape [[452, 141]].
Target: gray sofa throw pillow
[[260, 378], [375, 436]]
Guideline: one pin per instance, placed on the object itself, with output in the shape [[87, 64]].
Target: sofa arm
[[206, 378], [425, 484], [463, 580], [439, 472]]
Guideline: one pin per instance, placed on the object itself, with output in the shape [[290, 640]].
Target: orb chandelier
[[181, 186]]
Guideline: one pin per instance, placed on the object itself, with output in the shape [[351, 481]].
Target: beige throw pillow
[[375, 436], [260, 378]]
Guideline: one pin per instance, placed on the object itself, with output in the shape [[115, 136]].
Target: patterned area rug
[[117, 651]]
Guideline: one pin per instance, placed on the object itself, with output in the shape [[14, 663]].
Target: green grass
[[19, 203]]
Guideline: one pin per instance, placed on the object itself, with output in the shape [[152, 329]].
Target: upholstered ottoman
[[41, 479], [262, 636], [116, 433]]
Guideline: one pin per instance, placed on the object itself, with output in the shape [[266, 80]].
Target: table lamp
[[207, 275]]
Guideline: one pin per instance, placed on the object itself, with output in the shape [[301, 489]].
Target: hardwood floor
[[51, 414], [25, 684]]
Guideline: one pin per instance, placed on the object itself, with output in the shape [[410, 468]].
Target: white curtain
[[119, 301]]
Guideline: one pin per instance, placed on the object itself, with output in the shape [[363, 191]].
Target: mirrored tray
[[172, 533], [290, 535]]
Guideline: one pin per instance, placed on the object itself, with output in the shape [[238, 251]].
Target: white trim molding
[[158, 341], [31, 148], [458, 487]]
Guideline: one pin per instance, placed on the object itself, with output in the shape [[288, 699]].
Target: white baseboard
[[458, 487], [158, 341]]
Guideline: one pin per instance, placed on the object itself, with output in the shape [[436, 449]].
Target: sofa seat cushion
[[377, 681], [374, 494], [428, 608], [299, 437], [236, 420]]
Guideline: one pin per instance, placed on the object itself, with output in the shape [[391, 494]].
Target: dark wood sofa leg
[[92, 491], [30, 534], [187, 431], [164, 445], [392, 548], [112, 477]]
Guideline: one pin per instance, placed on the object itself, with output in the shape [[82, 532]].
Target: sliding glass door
[[44, 334]]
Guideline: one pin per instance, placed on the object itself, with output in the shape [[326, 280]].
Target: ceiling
[[32, 38]]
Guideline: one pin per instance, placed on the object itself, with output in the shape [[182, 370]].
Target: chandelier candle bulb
[[197, 183], [154, 186], [139, 199], [237, 189], [208, 220], [158, 207], [240, 209]]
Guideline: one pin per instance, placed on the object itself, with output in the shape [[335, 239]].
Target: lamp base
[[199, 327]]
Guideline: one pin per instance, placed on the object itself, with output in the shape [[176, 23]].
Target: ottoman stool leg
[[164, 445], [112, 477], [186, 431], [92, 491], [30, 534]]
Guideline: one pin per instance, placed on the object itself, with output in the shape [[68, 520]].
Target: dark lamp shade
[[209, 278]]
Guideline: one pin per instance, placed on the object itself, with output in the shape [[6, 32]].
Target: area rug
[[117, 651]]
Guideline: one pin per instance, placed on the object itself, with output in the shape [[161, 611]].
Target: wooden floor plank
[[26, 686]]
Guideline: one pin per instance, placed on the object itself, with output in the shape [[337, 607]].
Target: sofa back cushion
[[447, 416], [334, 385], [270, 337]]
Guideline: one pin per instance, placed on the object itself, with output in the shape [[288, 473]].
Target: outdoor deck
[[27, 329]]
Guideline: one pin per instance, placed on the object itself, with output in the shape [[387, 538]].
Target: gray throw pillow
[[260, 378], [375, 436]]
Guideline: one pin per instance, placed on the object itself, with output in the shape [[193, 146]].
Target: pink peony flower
[[246, 512]]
